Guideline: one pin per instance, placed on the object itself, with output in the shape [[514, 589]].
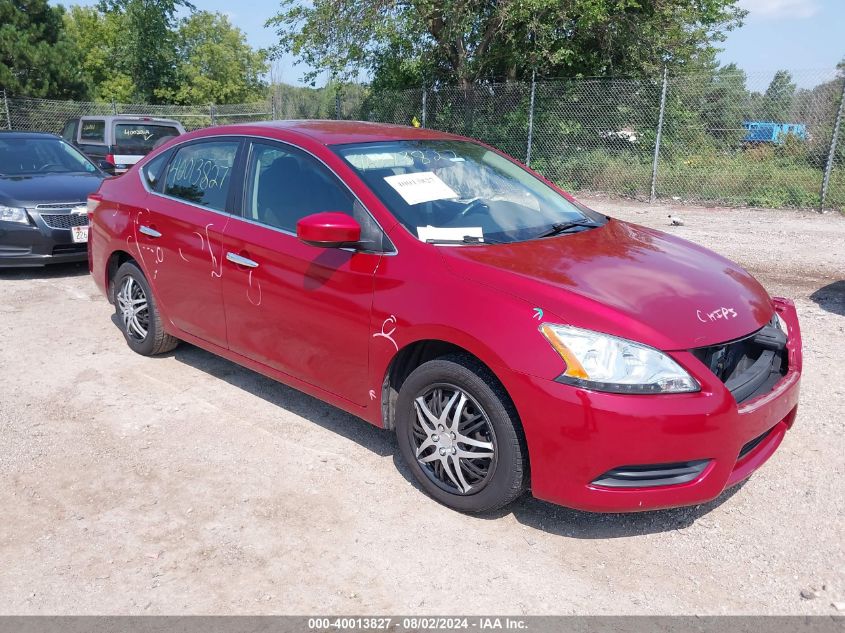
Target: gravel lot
[[185, 484]]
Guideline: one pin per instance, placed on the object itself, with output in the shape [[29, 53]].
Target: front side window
[[93, 131], [284, 185], [201, 173], [453, 191]]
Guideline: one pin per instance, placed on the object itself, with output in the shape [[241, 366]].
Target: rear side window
[[93, 131], [140, 138], [200, 173]]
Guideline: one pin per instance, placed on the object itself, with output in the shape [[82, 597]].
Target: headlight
[[607, 363], [13, 214]]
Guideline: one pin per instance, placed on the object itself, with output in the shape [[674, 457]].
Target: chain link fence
[[724, 137], [45, 115]]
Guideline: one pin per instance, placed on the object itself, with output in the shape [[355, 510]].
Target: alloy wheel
[[134, 310], [453, 439]]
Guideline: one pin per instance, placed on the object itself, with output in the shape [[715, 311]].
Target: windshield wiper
[[562, 227], [467, 239]]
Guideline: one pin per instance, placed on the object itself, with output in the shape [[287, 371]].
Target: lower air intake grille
[[63, 249], [64, 220], [647, 475]]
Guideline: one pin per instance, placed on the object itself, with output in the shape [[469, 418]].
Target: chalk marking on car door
[[391, 320]]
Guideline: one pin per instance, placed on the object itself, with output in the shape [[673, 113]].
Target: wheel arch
[[411, 356], [115, 261]]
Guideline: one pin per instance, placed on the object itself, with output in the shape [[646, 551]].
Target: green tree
[[147, 45], [37, 59], [215, 63], [99, 37], [776, 104], [468, 41]]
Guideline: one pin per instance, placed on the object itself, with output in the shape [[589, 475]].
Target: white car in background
[[117, 142]]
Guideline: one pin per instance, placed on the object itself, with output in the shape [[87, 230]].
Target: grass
[[737, 179]]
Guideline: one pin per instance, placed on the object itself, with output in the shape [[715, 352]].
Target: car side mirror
[[328, 230], [106, 166]]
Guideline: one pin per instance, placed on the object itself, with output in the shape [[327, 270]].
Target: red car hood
[[625, 280]]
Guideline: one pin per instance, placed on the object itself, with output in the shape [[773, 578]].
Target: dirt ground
[[186, 484]]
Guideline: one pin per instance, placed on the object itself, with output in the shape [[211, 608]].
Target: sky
[[799, 35]]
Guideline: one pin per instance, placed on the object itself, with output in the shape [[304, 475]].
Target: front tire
[[459, 434], [138, 314]]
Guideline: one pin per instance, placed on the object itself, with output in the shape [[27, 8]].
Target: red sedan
[[431, 285]]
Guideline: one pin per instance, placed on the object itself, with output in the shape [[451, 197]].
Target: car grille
[[59, 206], [751, 366], [64, 220]]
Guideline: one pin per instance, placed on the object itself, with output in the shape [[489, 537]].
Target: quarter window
[[69, 133], [154, 169], [201, 173]]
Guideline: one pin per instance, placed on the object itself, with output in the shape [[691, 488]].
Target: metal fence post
[[530, 120], [273, 105], [113, 107], [6, 108], [337, 102], [424, 103], [831, 155], [653, 195], [212, 114]]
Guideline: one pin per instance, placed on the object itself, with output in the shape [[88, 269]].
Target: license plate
[[79, 233]]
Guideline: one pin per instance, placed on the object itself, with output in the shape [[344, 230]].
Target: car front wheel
[[137, 313], [460, 435]]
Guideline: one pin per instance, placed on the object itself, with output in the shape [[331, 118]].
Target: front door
[[181, 233], [297, 308]]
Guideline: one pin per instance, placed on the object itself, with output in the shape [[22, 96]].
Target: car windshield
[[29, 156], [460, 192], [141, 138]]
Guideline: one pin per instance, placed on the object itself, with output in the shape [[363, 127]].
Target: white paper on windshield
[[448, 233], [423, 186]]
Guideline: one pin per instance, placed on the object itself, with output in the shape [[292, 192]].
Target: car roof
[[24, 134], [127, 117], [330, 132]]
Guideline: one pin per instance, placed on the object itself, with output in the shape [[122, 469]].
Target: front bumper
[[37, 245], [575, 436]]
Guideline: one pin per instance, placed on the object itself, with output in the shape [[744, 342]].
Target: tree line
[[144, 51]]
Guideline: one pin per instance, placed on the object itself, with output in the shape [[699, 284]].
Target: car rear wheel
[[460, 435], [137, 313]]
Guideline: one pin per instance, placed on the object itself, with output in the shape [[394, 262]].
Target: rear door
[[180, 235], [299, 309]]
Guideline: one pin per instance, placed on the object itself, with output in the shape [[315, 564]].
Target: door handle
[[241, 261], [149, 231]]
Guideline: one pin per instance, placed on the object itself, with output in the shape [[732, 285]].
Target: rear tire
[[460, 435], [138, 314]]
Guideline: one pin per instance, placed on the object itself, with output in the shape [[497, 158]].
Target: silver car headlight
[[13, 214], [609, 363]]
